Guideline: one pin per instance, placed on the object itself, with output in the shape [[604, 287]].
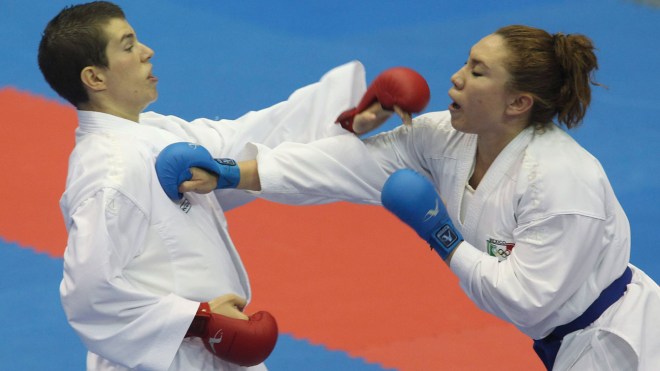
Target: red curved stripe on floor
[[38, 135], [354, 278]]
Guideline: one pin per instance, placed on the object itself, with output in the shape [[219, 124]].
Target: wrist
[[229, 174], [346, 119], [249, 176], [445, 239], [200, 321]]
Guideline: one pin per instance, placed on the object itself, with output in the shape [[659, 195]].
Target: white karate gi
[[137, 264], [544, 231]]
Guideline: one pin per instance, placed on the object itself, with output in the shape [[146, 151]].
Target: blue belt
[[548, 347]]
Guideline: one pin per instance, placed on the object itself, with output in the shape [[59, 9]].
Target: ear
[[93, 78], [520, 103]]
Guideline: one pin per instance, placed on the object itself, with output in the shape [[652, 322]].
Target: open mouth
[[453, 106]]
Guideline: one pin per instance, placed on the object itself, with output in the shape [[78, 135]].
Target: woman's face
[[479, 92]]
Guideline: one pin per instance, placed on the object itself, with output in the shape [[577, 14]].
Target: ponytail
[[556, 69], [577, 61]]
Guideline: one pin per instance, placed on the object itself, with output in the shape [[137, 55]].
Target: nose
[[147, 52], [457, 79]]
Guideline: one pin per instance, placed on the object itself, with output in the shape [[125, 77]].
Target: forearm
[[329, 170], [249, 176]]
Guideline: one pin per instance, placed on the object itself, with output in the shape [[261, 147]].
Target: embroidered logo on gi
[[185, 205], [499, 248], [110, 205]]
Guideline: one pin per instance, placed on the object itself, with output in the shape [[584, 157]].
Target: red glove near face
[[398, 86], [246, 343]]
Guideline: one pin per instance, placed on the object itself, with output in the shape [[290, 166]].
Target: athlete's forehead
[[119, 31], [489, 50]]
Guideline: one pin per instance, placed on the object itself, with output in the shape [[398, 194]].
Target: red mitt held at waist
[[244, 342]]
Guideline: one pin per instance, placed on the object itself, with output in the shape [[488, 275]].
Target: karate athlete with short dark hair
[[531, 227], [150, 283]]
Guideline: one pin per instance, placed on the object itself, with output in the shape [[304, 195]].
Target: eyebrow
[[127, 36], [477, 61]]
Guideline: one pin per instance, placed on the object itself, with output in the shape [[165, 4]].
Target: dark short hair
[[74, 39]]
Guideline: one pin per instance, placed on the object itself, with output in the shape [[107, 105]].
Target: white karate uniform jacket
[[137, 264], [544, 231]]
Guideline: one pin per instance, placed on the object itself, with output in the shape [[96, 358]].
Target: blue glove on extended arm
[[174, 162], [413, 199]]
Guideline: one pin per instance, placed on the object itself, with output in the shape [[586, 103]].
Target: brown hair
[[556, 69], [73, 40]]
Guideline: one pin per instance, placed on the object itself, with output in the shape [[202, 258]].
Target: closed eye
[[473, 72], [129, 40]]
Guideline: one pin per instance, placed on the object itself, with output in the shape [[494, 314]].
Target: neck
[[128, 114], [488, 148]]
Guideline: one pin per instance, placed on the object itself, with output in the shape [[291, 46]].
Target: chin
[[455, 123], [154, 97], [148, 103], [459, 125]]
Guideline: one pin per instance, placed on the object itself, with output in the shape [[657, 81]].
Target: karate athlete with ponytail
[[530, 223], [152, 281]]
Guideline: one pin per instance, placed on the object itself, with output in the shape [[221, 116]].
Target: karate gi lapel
[[498, 170]]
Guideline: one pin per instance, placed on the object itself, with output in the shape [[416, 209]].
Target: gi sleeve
[[332, 169], [115, 319], [340, 168], [552, 258], [308, 114]]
